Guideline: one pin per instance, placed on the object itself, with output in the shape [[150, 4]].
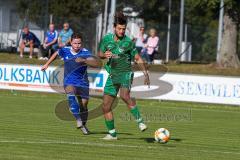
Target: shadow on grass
[[119, 133], [152, 140]]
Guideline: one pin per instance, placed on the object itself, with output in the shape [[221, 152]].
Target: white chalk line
[[111, 145]]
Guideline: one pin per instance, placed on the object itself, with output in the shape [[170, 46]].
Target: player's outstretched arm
[[45, 66], [90, 61], [141, 65], [107, 54]]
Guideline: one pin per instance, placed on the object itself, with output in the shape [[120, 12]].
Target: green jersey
[[123, 52]]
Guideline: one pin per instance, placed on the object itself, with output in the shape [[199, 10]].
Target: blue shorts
[[82, 91]]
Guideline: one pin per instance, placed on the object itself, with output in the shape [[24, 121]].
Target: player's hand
[[108, 54], [44, 67], [44, 45], [147, 80]]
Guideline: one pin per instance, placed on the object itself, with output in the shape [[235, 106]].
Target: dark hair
[[76, 36], [120, 18]]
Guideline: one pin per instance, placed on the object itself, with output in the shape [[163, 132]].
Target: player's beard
[[119, 36]]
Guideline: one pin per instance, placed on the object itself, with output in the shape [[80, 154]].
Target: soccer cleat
[[84, 130], [142, 126], [109, 137], [30, 57]]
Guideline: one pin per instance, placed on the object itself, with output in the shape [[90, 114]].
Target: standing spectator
[[50, 42], [151, 46], [28, 39], [140, 40], [64, 38]]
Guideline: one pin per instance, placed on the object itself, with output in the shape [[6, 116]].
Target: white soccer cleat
[[142, 126], [84, 130], [109, 137]]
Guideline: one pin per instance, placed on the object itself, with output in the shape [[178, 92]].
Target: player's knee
[[73, 104], [106, 107], [69, 89], [22, 46]]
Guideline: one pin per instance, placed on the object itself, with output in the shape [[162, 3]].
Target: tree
[[38, 10], [228, 56], [228, 53]]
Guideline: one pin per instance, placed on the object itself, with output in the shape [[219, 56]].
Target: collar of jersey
[[73, 53], [119, 39]]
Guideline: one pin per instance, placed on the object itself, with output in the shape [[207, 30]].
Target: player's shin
[[74, 107], [136, 114], [84, 115]]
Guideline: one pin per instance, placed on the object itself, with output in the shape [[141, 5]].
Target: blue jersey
[[51, 36], [75, 74]]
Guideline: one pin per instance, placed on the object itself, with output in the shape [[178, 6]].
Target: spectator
[[65, 36], [50, 42], [140, 40], [28, 39], [151, 46]]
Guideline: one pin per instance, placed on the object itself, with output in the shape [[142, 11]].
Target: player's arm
[[104, 55], [52, 58], [90, 61], [141, 65]]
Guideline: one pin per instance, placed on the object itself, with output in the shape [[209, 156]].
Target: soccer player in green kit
[[119, 50]]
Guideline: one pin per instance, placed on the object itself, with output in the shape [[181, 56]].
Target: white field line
[[111, 145]]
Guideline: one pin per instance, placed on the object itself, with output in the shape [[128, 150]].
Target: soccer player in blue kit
[[76, 84]]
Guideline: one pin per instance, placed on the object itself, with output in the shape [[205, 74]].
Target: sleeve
[[134, 50], [61, 52], [87, 54], [56, 35]]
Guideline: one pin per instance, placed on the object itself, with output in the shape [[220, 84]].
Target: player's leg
[[84, 111], [131, 104], [83, 96], [83, 115], [31, 46], [74, 106], [21, 49], [110, 92], [108, 115]]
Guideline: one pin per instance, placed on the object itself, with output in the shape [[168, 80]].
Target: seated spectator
[[50, 43], [140, 40], [65, 36], [28, 39], [151, 46]]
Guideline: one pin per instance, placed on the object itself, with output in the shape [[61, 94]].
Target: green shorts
[[114, 83]]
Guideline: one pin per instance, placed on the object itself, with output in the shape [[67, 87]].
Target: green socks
[[136, 114], [110, 127]]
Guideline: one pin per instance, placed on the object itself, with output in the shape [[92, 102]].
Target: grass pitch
[[30, 130]]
